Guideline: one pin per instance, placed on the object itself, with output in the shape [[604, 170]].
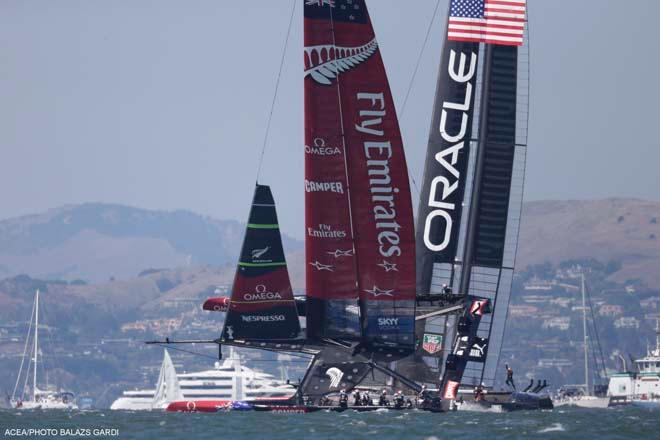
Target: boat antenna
[[277, 86]]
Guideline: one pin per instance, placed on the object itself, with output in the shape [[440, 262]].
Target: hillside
[[96, 242], [624, 231]]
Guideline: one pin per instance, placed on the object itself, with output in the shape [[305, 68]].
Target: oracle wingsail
[[261, 306], [471, 198], [359, 235]]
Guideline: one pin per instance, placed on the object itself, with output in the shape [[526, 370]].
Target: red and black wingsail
[[262, 305], [359, 223]]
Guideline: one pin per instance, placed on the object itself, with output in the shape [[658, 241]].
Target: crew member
[[357, 400], [343, 399], [382, 400], [366, 399], [398, 400], [509, 377], [479, 393], [446, 289]]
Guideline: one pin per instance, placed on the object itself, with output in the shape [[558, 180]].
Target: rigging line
[[277, 86], [414, 75], [20, 370], [593, 321]]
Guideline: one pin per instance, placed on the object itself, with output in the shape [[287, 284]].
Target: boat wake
[[475, 407], [556, 427]]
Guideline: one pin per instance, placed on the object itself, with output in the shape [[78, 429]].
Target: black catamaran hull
[[505, 401]]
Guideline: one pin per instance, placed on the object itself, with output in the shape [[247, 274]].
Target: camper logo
[[432, 343], [335, 375]]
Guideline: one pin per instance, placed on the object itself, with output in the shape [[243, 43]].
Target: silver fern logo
[[323, 63], [335, 375]]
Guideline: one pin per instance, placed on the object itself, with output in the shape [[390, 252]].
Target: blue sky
[[163, 104]]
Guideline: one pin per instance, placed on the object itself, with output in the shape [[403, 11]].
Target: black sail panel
[[262, 305], [499, 155], [447, 156]]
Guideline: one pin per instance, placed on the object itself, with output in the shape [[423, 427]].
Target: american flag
[[487, 21]]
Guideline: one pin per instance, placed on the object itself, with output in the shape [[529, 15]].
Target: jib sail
[[359, 226], [472, 192], [262, 305]]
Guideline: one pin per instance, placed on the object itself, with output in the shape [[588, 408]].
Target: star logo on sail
[[376, 292], [340, 253], [320, 266], [388, 266]]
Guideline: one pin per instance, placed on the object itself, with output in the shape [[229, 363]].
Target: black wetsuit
[[343, 400], [509, 378], [398, 401], [382, 401]]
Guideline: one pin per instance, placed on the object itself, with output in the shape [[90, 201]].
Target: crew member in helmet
[[343, 399], [399, 400], [366, 399], [357, 400], [382, 400], [509, 377]]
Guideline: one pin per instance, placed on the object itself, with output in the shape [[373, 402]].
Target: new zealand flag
[[349, 11]]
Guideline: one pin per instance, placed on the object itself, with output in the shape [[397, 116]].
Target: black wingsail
[[469, 210], [262, 305], [441, 208]]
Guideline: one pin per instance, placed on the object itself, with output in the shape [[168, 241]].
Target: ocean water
[[582, 424]]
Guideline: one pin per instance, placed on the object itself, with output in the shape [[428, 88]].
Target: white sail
[[167, 389]]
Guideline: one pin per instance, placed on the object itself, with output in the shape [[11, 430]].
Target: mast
[[36, 344], [585, 336]]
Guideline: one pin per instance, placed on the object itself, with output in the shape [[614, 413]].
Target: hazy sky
[[163, 104]]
